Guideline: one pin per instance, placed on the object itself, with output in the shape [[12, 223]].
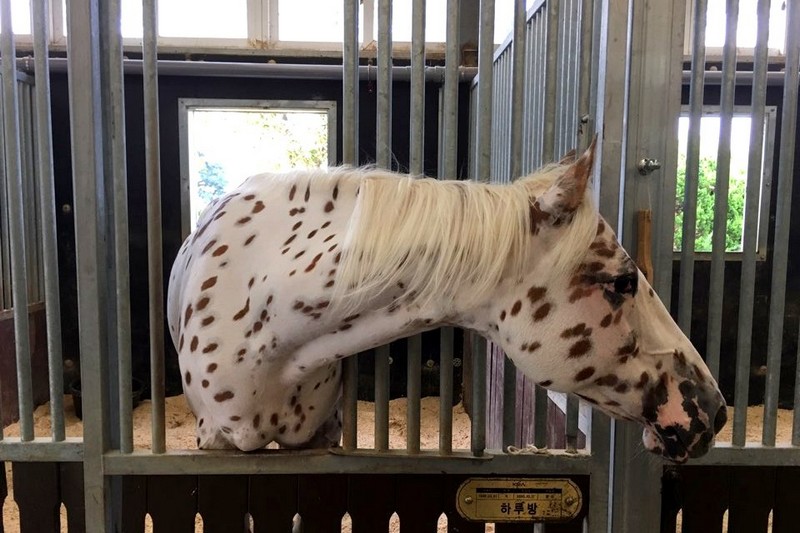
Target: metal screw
[[648, 165], [429, 363], [569, 500], [456, 362], [468, 499], [66, 208]]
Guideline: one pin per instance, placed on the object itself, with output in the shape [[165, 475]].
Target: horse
[[290, 273]]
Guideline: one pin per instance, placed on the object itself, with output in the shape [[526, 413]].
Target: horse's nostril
[[720, 419]]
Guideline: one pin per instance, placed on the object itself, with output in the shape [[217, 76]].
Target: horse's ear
[[566, 195]]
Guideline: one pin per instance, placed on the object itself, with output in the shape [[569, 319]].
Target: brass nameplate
[[519, 499]]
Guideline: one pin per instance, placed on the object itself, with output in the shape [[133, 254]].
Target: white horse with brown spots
[[291, 273]]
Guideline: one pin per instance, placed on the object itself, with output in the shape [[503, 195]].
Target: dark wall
[[171, 89], [762, 283]]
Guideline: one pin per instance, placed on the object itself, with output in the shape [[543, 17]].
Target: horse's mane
[[435, 239]]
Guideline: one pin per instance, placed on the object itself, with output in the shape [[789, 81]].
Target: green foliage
[[212, 182], [705, 207], [305, 137]]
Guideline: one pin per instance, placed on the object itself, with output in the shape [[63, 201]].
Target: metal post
[[154, 258], [383, 149], [445, 391], [417, 130], [450, 114], [40, 9], [692, 167], [716, 286], [509, 403], [550, 85], [11, 130], [414, 386]]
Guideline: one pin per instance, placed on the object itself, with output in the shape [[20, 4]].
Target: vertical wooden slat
[[419, 514], [273, 502], [752, 492], [222, 501], [36, 494], [371, 502], [786, 512], [70, 485], [134, 504], [322, 501], [172, 503]]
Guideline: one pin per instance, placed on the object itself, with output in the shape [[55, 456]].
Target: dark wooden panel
[[273, 502], [419, 502], [455, 523], [172, 503], [222, 502], [3, 493], [71, 494], [704, 497], [752, 494], [514, 528], [36, 494], [371, 502], [786, 512], [134, 504], [322, 501], [670, 500]]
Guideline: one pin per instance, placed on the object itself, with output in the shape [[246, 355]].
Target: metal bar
[[452, 62], [550, 85], [479, 386], [413, 393], [19, 287], [41, 449], [286, 71], [350, 403], [717, 284], [446, 391], [117, 168], [585, 118], [483, 141], [383, 149], [417, 129], [382, 398], [573, 404], [47, 199], [783, 213], [686, 284], [324, 462], [154, 258], [85, 66], [509, 403], [350, 85], [5, 252]]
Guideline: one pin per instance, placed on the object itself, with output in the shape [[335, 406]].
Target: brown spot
[[345, 327], [210, 347], [541, 312], [242, 351], [329, 284], [188, 378], [329, 207], [537, 216], [298, 305], [293, 400], [576, 331], [208, 246], [223, 396], [622, 388], [211, 368], [297, 225], [258, 207], [311, 234], [219, 215], [612, 403], [579, 293], [292, 273], [536, 293], [282, 429], [326, 224], [298, 409], [283, 252], [606, 321], [297, 427], [290, 239], [534, 346], [546, 383], [329, 237], [249, 239], [257, 327], [601, 227], [337, 258], [651, 293], [180, 347], [187, 315], [698, 373], [608, 380], [274, 419], [515, 308], [335, 191], [293, 211], [210, 282], [291, 192], [585, 374], [221, 250], [628, 349], [235, 418], [308, 192], [207, 320], [243, 311], [580, 348], [332, 248], [205, 383], [242, 221], [643, 380], [299, 254], [249, 197], [618, 316], [193, 344], [250, 283], [502, 315]]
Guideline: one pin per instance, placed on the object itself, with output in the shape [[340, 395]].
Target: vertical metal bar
[[716, 286], [452, 61], [417, 133], [509, 403], [445, 391], [692, 167], [413, 393], [383, 150], [573, 404], [485, 67], [479, 386], [5, 252], [155, 265], [783, 213], [350, 84], [550, 85], [11, 128], [84, 71], [47, 200], [350, 157], [382, 398], [116, 102], [585, 118]]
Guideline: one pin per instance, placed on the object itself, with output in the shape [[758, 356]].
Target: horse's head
[[599, 330]]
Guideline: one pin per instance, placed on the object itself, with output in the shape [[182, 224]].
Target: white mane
[[436, 239]]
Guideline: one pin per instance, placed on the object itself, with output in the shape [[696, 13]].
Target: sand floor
[[180, 427]]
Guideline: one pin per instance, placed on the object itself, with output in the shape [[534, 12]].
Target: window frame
[[186, 104], [765, 189]]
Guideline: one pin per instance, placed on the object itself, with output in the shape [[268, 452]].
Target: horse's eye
[[626, 284]]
